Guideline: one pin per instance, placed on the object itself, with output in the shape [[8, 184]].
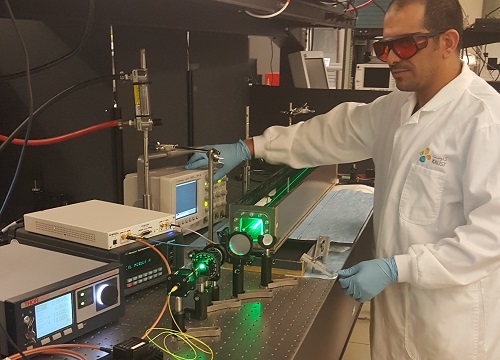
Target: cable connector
[[18, 221], [135, 349]]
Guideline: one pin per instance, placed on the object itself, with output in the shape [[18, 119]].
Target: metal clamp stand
[[322, 248], [210, 259], [317, 261], [266, 267], [214, 291], [213, 285], [201, 300], [179, 316], [246, 164], [238, 246], [180, 284], [238, 277], [293, 112], [185, 280], [143, 121], [267, 242], [207, 264], [317, 264]]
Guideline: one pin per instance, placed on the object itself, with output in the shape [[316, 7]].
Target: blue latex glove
[[368, 278], [232, 155]]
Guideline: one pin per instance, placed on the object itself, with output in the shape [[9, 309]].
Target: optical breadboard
[[98, 223], [47, 297]]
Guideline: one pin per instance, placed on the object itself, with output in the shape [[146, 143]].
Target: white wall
[[473, 9], [478, 9], [490, 5]]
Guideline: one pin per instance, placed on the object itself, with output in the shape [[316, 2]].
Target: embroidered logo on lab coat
[[425, 155]]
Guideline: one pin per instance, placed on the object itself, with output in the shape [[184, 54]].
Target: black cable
[[82, 43], [485, 61], [351, 3], [29, 120], [11, 342], [311, 40], [491, 12], [180, 147], [53, 100], [380, 7], [271, 62]]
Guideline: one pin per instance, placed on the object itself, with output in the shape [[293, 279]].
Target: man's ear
[[449, 42]]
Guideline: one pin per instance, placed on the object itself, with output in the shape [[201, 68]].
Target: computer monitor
[[308, 69], [374, 77]]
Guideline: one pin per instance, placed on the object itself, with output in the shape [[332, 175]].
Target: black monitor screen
[[185, 199], [316, 72], [377, 77]]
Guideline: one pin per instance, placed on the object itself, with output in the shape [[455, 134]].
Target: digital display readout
[[53, 315], [139, 263]]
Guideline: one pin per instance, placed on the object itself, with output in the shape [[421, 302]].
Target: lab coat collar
[[452, 90]]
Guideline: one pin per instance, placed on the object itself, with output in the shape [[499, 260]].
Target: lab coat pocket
[[444, 324], [421, 195]]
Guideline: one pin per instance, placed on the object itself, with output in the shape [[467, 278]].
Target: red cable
[[360, 6], [61, 138]]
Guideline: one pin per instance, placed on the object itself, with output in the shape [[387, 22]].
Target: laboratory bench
[[312, 318]]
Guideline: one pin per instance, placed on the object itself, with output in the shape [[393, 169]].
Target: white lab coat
[[436, 210]]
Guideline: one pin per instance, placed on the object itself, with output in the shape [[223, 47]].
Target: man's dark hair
[[439, 14]]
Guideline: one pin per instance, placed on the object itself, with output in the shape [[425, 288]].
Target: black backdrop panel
[[86, 167], [267, 102]]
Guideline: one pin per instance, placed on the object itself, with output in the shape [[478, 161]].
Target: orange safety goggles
[[404, 46]]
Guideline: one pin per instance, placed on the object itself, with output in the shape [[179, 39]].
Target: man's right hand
[[232, 155]]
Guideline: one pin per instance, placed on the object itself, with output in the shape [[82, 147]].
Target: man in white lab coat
[[435, 142]]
